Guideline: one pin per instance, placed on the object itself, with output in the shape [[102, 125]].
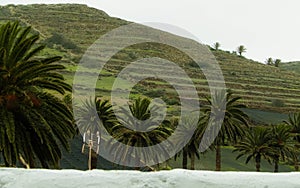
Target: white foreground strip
[[41, 178]]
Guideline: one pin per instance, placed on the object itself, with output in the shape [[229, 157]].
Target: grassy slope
[[258, 84], [81, 25], [263, 117], [291, 66]]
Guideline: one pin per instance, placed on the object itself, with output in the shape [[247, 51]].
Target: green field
[[75, 159], [229, 163]]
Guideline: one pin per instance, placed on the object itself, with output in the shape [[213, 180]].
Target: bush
[[132, 55], [277, 103], [193, 64], [58, 39], [155, 93], [171, 101]]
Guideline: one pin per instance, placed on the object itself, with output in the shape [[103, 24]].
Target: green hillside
[[69, 29], [291, 66]]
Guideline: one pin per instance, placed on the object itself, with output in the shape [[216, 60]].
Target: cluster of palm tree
[[34, 121], [232, 129], [124, 130], [240, 49], [273, 62], [274, 144]]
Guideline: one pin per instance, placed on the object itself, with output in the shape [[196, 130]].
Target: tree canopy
[[34, 119]]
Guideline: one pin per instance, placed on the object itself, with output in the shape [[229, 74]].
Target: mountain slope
[[291, 66], [69, 29]]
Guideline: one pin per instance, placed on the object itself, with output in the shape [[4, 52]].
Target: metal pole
[[90, 154]]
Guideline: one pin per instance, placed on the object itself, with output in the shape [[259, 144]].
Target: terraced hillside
[[69, 29]]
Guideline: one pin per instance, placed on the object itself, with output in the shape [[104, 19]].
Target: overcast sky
[[267, 28]]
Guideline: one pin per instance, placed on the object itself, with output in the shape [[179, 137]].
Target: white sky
[[267, 28]]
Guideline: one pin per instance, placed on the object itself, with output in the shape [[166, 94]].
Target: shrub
[[171, 100], [277, 103], [58, 39], [155, 93]]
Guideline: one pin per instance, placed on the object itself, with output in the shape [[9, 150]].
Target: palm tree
[[277, 62], [255, 144], [283, 144], [191, 149], [128, 132], [294, 122], [241, 49], [33, 119], [269, 61], [233, 125], [217, 45], [91, 126], [184, 150]]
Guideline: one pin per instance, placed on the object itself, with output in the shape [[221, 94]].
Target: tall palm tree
[[294, 122], [88, 124], [256, 145], [241, 49], [217, 45], [277, 62], [234, 123], [127, 132], [191, 149], [283, 144], [33, 119], [269, 61]]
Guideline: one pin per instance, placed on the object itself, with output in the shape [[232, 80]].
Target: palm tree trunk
[[276, 166], [184, 158], [192, 161], [276, 161], [218, 157], [31, 162], [94, 160], [257, 161], [167, 164], [296, 164], [6, 163], [137, 162]]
